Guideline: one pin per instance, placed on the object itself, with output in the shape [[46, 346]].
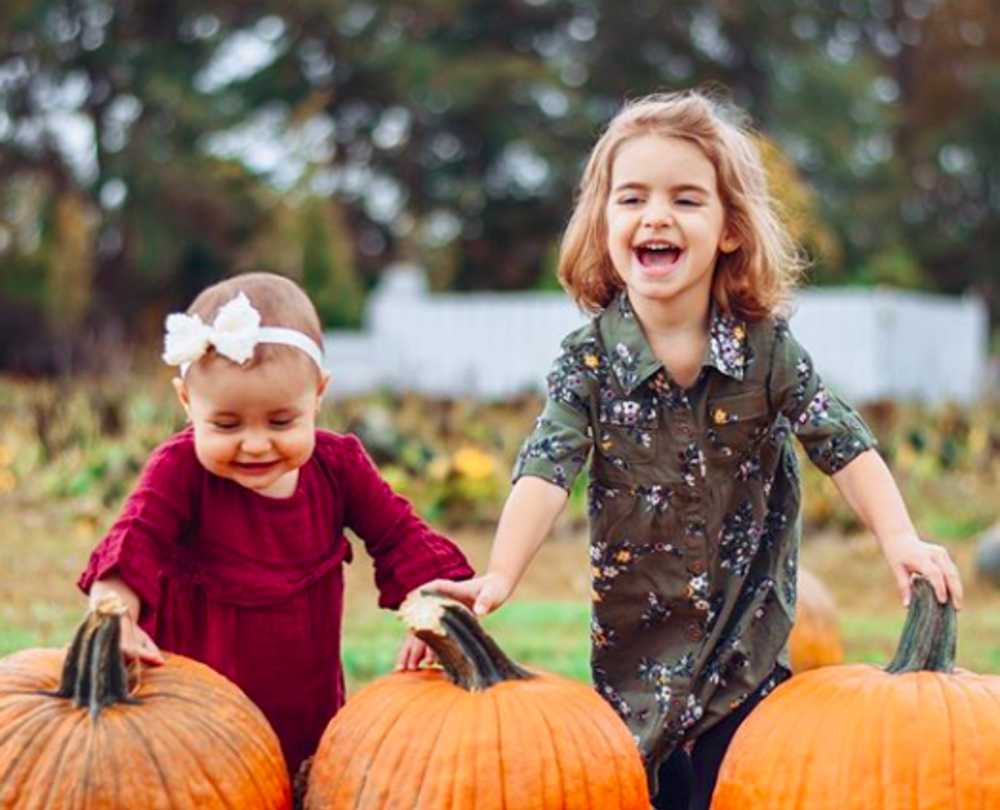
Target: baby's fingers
[[138, 645]]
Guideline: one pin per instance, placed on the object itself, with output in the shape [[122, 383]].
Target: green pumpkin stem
[[94, 675], [470, 658], [929, 637]]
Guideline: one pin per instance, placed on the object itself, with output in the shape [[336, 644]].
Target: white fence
[[868, 344]]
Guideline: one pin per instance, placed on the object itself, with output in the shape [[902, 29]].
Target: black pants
[[687, 780]]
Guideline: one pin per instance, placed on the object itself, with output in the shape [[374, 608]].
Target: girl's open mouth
[[658, 257]]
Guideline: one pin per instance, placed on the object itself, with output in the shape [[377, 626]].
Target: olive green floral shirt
[[694, 504]]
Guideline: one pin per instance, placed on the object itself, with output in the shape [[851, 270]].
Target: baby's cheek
[[300, 449], [211, 451]]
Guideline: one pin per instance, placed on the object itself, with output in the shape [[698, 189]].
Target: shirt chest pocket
[[738, 422], [627, 431]]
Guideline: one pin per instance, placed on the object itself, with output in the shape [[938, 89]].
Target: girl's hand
[[413, 653], [908, 556], [481, 594]]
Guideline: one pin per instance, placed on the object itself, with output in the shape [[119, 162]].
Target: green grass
[[555, 636]]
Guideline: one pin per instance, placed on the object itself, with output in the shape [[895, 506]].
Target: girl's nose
[[658, 218]]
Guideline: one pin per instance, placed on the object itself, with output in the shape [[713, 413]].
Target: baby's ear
[[324, 383], [182, 394]]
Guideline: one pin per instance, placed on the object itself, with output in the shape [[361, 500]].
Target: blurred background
[[150, 148]]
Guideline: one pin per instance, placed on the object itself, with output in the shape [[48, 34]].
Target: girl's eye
[[282, 423], [225, 425], [630, 200], [688, 202]]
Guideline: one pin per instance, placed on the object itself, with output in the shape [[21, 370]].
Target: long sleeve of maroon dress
[[253, 586]]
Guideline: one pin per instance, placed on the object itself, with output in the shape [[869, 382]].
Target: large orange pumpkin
[[73, 737], [815, 639], [914, 736], [482, 735]]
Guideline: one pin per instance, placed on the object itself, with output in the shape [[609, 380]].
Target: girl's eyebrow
[[634, 185]]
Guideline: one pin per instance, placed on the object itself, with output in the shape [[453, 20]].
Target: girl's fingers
[[935, 576], [954, 581], [464, 592], [903, 584]]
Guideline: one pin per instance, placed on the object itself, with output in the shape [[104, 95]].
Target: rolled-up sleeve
[[832, 433], [558, 447]]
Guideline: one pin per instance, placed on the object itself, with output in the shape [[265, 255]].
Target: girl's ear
[[182, 394], [729, 242]]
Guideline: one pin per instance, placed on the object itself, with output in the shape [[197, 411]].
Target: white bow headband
[[235, 334]]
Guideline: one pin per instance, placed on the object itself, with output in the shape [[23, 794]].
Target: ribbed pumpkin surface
[[194, 741], [484, 734], [848, 737], [915, 736], [417, 741]]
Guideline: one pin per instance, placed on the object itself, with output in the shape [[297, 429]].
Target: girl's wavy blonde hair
[[754, 281]]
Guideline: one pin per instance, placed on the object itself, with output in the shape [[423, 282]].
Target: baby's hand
[[482, 594], [412, 653], [908, 556], [137, 644]]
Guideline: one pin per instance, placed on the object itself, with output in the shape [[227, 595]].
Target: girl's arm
[[869, 489], [528, 516]]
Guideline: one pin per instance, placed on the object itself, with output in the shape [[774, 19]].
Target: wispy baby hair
[[280, 302], [754, 281]]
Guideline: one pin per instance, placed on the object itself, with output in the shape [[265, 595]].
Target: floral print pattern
[[692, 499]]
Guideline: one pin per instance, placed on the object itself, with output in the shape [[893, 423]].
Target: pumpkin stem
[[928, 640], [471, 659], [94, 674]]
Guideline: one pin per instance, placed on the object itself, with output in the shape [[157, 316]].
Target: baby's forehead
[[274, 383]]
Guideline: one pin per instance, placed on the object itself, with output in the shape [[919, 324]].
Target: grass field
[[44, 545]]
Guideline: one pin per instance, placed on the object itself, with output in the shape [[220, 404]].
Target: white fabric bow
[[235, 334]]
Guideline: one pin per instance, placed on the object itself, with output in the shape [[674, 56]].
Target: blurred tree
[[147, 149]]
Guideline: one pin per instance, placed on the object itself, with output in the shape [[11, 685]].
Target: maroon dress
[[253, 586]]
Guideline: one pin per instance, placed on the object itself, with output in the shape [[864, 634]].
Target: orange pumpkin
[[484, 734], [916, 735], [815, 639], [72, 736]]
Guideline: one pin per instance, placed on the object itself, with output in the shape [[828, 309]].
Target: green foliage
[[452, 132], [328, 272]]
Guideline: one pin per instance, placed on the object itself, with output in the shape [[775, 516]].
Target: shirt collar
[[633, 360]]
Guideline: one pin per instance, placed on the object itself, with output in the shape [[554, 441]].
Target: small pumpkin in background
[[75, 734], [815, 640], [483, 734], [988, 556], [917, 735]]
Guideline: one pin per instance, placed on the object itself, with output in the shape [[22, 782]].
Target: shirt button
[[694, 632], [685, 430], [697, 567]]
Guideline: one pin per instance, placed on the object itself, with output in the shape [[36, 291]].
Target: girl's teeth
[[658, 256]]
